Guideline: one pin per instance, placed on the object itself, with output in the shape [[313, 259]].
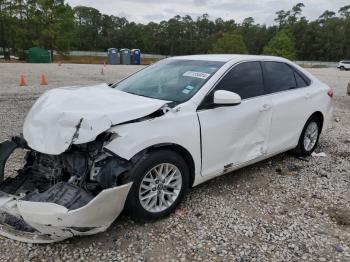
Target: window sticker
[[200, 75], [187, 89]]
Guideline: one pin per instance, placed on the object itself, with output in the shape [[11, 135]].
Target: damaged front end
[[55, 197]]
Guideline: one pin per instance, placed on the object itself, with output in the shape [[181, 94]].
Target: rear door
[[232, 135], [290, 96]]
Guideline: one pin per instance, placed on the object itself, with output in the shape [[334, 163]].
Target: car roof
[[227, 58]]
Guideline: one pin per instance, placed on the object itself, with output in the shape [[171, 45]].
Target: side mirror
[[223, 97]]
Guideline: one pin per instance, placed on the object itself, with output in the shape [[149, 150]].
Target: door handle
[[265, 107]]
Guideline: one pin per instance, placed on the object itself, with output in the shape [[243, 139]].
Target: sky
[[263, 11]]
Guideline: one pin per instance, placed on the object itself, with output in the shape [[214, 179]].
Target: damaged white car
[[140, 144]]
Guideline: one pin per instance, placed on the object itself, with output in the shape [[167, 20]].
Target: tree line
[[55, 25]]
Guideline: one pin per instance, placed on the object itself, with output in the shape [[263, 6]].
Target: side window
[[279, 77], [244, 79], [300, 81]]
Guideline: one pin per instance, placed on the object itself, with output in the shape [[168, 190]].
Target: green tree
[[282, 17], [345, 15], [54, 25], [254, 35], [281, 45], [230, 43], [55, 20], [88, 22], [345, 11], [295, 13], [6, 25]]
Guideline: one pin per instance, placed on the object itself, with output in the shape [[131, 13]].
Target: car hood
[[76, 115]]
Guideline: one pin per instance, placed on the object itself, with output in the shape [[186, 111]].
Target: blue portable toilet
[[113, 56], [135, 57], [125, 56]]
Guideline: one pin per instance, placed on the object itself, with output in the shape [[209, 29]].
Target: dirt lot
[[283, 209]]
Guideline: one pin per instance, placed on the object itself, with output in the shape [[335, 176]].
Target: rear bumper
[[45, 222], [328, 116]]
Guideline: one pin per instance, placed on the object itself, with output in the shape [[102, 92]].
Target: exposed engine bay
[[54, 197]]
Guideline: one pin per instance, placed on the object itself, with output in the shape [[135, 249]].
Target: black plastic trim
[[6, 149]]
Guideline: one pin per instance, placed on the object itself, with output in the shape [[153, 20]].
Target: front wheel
[[309, 137], [160, 181]]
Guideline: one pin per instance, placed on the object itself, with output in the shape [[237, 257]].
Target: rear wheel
[[160, 181], [309, 137]]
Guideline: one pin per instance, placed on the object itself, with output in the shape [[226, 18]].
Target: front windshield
[[172, 80]]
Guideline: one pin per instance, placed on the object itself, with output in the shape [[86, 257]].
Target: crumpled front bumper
[[44, 222], [53, 223]]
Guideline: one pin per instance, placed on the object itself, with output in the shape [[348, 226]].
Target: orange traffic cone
[[22, 81], [43, 81], [102, 71]]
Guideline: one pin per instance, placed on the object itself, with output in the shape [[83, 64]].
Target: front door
[[232, 135]]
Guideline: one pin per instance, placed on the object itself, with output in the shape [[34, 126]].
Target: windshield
[[172, 80]]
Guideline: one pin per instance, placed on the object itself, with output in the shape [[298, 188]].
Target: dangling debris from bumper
[[48, 214]]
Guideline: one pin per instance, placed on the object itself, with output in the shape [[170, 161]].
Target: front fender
[[135, 137]]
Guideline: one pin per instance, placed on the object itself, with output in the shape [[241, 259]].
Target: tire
[[304, 149], [141, 174], [342, 68]]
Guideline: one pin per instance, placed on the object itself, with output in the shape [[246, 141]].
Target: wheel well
[[319, 115], [181, 151]]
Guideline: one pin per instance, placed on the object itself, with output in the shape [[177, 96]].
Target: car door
[[290, 96], [231, 135]]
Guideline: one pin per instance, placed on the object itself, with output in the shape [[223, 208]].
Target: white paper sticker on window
[[196, 74]]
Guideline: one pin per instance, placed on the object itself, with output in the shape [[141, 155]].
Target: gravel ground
[[282, 209]]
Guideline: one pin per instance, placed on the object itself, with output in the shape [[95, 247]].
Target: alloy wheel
[[160, 187], [310, 136]]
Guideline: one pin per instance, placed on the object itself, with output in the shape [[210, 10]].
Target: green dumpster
[[38, 55]]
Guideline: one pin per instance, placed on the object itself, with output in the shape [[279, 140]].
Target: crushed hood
[[77, 115]]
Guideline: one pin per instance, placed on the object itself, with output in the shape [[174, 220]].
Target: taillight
[[330, 93]]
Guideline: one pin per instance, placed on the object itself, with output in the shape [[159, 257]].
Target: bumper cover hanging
[[47, 222]]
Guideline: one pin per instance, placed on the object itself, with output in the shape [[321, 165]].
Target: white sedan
[[141, 143]]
